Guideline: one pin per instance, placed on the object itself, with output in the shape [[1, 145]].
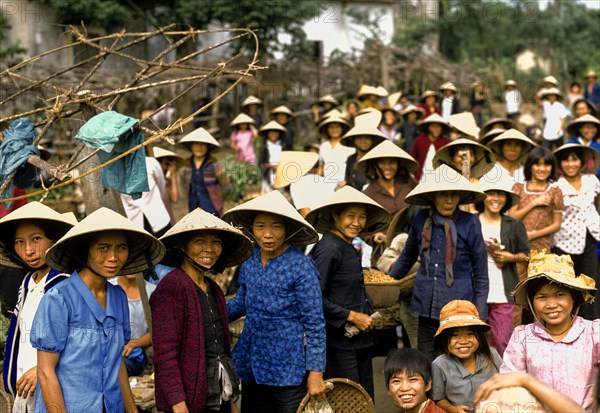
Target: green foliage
[[104, 13], [11, 51], [241, 176]]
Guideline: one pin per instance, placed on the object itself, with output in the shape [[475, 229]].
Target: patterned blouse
[[284, 331]]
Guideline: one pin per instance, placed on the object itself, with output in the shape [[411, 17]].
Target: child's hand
[[544, 200], [500, 381]]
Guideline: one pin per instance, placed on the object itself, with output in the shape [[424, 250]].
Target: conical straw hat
[[503, 183], [273, 125], [412, 108], [496, 144], [366, 90], [551, 91], [490, 135], [484, 158], [511, 82], [283, 109], [165, 153], [333, 116], [199, 135], [443, 178], [329, 98], [504, 122], [56, 225], [465, 123], [428, 93], [558, 269], [423, 125], [292, 166], [251, 100], [298, 231], [551, 79], [237, 247], [576, 124], [241, 118], [387, 149], [69, 253], [449, 86], [377, 216], [591, 106], [587, 151], [365, 124], [393, 98]]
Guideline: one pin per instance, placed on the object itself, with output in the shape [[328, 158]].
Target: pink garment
[[501, 320], [243, 140], [570, 366]]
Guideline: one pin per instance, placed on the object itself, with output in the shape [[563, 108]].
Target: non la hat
[[551, 79], [292, 166], [512, 134], [40, 214], [502, 182], [387, 149], [428, 93], [460, 313], [490, 135], [591, 73], [443, 178], [465, 123], [144, 249], [251, 100], [557, 269], [335, 117], [298, 231], [242, 118], [484, 158], [423, 125], [412, 108], [510, 82], [577, 123], [588, 152], [329, 98], [492, 123], [236, 246], [366, 90], [199, 135], [550, 91], [393, 98], [449, 86], [273, 125], [365, 124], [377, 216], [282, 109], [593, 109], [165, 153]]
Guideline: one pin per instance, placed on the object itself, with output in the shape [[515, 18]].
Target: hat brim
[[484, 158], [477, 323], [520, 292]]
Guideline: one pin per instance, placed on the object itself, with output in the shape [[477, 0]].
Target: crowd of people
[[500, 227]]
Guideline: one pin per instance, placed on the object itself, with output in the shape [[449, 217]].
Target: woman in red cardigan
[[194, 371]]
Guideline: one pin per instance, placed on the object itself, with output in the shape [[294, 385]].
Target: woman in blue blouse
[[281, 351], [347, 214], [83, 323]]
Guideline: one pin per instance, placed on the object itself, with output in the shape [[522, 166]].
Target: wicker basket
[[383, 294], [346, 396], [406, 286], [6, 402], [235, 330]]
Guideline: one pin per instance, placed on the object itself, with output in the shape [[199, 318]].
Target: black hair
[[537, 154], [409, 361], [373, 172], [577, 152], [533, 286], [53, 231], [440, 343], [480, 206]]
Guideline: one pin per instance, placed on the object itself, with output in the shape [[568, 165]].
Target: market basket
[[344, 396], [6, 402]]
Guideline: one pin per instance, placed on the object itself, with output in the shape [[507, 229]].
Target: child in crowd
[[270, 151], [408, 129], [434, 131], [284, 116], [555, 115], [467, 359], [242, 138], [560, 349], [408, 379], [334, 155]]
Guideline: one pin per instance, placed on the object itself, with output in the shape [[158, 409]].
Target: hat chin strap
[[193, 263], [537, 318], [293, 234]]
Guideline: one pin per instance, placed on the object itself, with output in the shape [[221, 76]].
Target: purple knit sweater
[[178, 340]]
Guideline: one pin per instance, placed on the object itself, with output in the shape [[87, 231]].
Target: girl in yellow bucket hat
[[560, 348]]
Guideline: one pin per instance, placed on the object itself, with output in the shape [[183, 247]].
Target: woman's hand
[[463, 409], [316, 385], [360, 320], [379, 238], [128, 348], [26, 384], [499, 381], [180, 407]]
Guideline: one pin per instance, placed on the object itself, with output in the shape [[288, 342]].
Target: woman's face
[[334, 130], [494, 201], [430, 100], [435, 130], [281, 118], [445, 202], [352, 109], [388, 168], [389, 117], [512, 150], [588, 131], [553, 304], [541, 171], [580, 109], [273, 135], [108, 253], [350, 222], [463, 343], [269, 232], [204, 248], [31, 244], [199, 149], [457, 159], [571, 166], [363, 142]]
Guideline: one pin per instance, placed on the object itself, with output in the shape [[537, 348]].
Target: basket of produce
[[383, 289]]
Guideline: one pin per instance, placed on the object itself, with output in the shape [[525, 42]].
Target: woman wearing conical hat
[[190, 334], [347, 214], [434, 135], [408, 128], [334, 154], [273, 140], [429, 103], [450, 103], [585, 131], [170, 163], [560, 348], [284, 116], [26, 234], [281, 351], [511, 148], [250, 106], [82, 324], [243, 134], [449, 243]]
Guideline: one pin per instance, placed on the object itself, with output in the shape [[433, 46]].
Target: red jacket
[[178, 340], [420, 148], [433, 408]]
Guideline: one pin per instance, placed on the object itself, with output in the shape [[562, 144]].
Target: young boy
[[408, 379]]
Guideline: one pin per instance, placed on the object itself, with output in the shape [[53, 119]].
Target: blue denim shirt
[[90, 340], [471, 280], [284, 331]]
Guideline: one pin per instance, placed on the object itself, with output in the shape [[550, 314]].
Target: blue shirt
[[199, 196], [470, 266], [70, 321], [284, 331]]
